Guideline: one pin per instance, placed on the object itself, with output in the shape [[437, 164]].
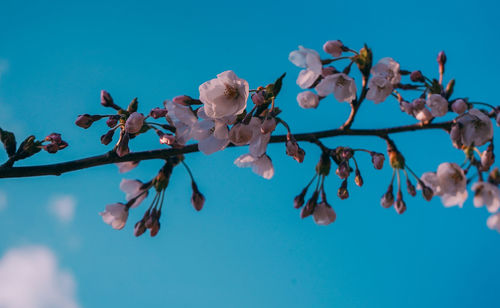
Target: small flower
[[486, 194], [438, 105], [157, 113], [224, 96], [476, 128], [334, 48], [493, 222], [268, 125], [306, 58], [449, 182], [307, 78], [342, 86], [115, 215], [379, 88], [134, 189], [388, 69], [241, 134], [183, 119], [212, 135], [258, 98], [423, 115], [260, 165], [134, 123], [324, 214], [459, 106], [307, 99]]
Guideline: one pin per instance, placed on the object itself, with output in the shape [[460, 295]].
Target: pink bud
[[459, 106], [343, 170], [197, 198], [378, 160], [343, 193], [134, 123], [388, 198], [298, 202], [258, 98], [51, 148], [400, 206], [122, 147], [107, 137], [106, 99], [418, 104], [426, 191], [157, 113], [417, 76], [154, 229], [334, 48], [423, 115], [112, 121], [358, 179], [441, 58], [182, 100], [168, 139], [487, 158], [268, 126], [54, 137], [84, 121], [139, 228], [300, 155], [310, 205]]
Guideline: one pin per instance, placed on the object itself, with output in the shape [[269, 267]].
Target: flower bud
[[134, 123], [358, 179], [197, 198], [487, 158], [343, 170], [106, 99], [441, 60], [423, 115], [459, 106], [406, 107], [400, 206], [107, 137], [310, 205], [139, 228], [157, 113], [308, 99], [182, 100], [343, 193], [240, 134], [411, 188], [167, 139], [155, 228], [122, 146], [427, 192], [268, 126], [298, 202], [51, 148], [334, 48], [84, 121], [258, 98], [494, 176], [112, 121], [324, 164], [388, 198], [378, 160], [416, 76]]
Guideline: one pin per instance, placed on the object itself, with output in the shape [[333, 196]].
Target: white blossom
[[134, 123], [486, 194], [324, 214], [307, 78], [342, 86], [126, 166], [260, 165], [334, 48], [438, 105], [134, 189], [224, 96], [476, 128], [387, 68], [452, 184], [115, 215], [212, 135], [493, 222], [306, 58], [379, 88], [307, 99], [183, 119], [423, 114]]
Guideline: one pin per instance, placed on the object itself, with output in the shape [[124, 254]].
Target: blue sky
[[248, 247]]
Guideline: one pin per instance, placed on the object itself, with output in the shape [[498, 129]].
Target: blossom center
[[231, 92]]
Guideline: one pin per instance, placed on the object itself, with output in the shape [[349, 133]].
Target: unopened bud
[[54, 137], [258, 98], [132, 107], [427, 192], [343, 170], [268, 126], [378, 160], [112, 121], [387, 199], [182, 100], [441, 58], [134, 123], [84, 121], [51, 148], [400, 206], [155, 228], [157, 113], [459, 106], [411, 188], [122, 147], [418, 104], [343, 193], [310, 205], [298, 202], [139, 228], [323, 166], [107, 137], [197, 198], [487, 158], [416, 76], [106, 99], [167, 139], [494, 176], [358, 179], [334, 48]]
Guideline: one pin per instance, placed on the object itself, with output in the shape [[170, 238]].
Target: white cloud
[[3, 200], [63, 207], [30, 277]]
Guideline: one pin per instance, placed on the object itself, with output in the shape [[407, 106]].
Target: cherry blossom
[[387, 68], [334, 48], [260, 165], [308, 99], [475, 128], [342, 86], [437, 104], [115, 215], [134, 189], [486, 194], [309, 60], [183, 119], [493, 222], [379, 88], [449, 182], [324, 214], [224, 96]]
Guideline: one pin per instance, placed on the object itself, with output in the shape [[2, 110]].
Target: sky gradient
[[248, 247]]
